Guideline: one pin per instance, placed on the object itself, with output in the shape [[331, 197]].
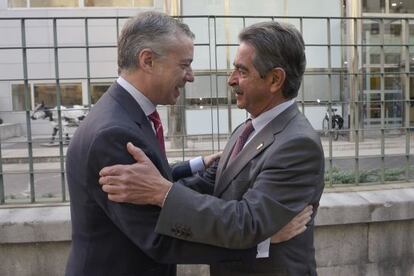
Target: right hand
[[138, 183], [295, 227]]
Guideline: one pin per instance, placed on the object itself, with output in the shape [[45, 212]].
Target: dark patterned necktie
[[159, 131], [247, 130]]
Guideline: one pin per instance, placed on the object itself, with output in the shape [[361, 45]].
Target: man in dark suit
[[154, 57], [271, 168]]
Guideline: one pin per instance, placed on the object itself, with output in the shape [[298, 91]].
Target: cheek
[[245, 82], [246, 87]]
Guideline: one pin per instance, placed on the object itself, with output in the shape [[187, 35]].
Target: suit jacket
[[110, 238], [278, 173]]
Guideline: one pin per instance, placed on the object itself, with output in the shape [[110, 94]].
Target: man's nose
[[189, 76], [232, 79]]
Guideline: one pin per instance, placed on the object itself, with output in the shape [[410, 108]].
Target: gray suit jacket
[[278, 173]]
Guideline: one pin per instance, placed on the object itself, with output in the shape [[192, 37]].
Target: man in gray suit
[[271, 168]]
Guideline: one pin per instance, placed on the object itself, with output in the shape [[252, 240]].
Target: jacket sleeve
[[290, 177], [201, 182], [138, 222], [181, 170]]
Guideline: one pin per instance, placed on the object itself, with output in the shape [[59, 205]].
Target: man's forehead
[[243, 55], [182, 51]]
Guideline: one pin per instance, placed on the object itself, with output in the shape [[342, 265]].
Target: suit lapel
[[262, 140], [136, 114], [227, 152]]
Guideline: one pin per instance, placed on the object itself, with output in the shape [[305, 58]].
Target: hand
[[209, 159], [295, 227], [139, 183]]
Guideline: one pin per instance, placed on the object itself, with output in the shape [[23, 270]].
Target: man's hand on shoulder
[[295, 227], [208, 160], [139, 183]]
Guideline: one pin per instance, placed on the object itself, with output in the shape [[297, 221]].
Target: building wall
[[72, 62]]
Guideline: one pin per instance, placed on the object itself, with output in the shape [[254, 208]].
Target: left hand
[[139, 183], [209, 159], [295, 227]]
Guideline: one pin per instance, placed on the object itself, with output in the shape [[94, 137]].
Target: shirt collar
[[263, 119], [147, 106]]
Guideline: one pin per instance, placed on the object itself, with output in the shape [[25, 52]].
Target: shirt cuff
[[197, 164], [166, 195], [263, 249]]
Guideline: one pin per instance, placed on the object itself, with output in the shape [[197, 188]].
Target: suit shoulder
[[301, 127]]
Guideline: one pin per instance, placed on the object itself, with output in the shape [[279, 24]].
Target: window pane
[[143, 3], [18, 97], [53, 3], [98, 90], [373, 6], [17, 4], [71, 94], [401, 6], [108, 3], [119, 3]]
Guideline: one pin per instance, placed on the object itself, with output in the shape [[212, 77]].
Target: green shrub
[[365, 176]]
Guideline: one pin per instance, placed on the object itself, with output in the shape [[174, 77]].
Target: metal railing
[[373, 145]]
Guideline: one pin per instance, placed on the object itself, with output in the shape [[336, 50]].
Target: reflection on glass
[[53, 3], [17, 3], [98, 90], [393, 109], [71, 94], [143, 3], [401, 6], [119, 3], [18, 98], [373, 6]]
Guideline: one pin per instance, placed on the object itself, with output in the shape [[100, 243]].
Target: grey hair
[[281, 45], [154, 30]]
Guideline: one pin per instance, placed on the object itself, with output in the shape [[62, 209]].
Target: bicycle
[[337, 123]]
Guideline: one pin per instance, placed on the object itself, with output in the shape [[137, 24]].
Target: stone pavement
[[15, 150]]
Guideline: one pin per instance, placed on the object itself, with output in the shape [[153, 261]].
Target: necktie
[[247, 129], [159, 131]]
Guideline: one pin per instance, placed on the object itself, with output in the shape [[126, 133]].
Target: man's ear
[[278, 77], [145, 59]]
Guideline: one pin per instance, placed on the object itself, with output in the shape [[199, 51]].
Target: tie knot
[[242, 139], [155, 117], [248, 128]]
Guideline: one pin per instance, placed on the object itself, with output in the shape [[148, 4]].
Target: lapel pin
[[259, 146]]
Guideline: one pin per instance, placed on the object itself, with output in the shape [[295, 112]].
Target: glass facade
[[77, 3], [363, 79]]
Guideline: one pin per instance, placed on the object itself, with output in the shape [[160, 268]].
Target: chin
[[172, 102], [240, 105]]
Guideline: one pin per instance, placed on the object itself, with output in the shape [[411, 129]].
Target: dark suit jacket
[[110, 238], [273, 178]]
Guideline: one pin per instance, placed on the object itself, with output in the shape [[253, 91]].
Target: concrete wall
[[361, 231], [10, 130]]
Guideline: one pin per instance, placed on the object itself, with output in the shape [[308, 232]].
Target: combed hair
[[281, 45], [154, 30]]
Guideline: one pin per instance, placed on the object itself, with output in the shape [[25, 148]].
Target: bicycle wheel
[[325, 126]]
